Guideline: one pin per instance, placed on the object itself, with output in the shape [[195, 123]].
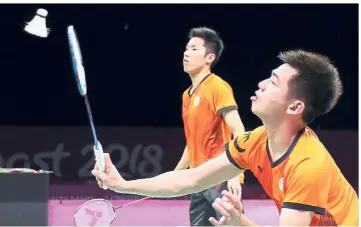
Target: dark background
[[133, 59]]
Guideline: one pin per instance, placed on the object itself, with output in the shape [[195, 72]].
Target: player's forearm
[[170, 184], [184, 161], [182, 182]]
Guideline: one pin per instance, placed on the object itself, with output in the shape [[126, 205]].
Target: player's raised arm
[[171, 184], [183, 182]]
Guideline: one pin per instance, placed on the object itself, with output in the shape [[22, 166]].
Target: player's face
[[271, 100], [195, 57]]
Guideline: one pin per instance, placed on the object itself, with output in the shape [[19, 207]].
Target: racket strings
[[97, 212]]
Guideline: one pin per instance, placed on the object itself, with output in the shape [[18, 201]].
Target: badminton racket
[[79, 72], [98, 212]]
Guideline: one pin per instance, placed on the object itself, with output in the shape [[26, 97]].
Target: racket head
[[95, 212], [77, 60]]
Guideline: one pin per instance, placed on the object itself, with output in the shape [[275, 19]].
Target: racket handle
[[99, 157]]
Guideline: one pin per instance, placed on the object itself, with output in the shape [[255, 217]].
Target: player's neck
[[280, 137], [198, 77]]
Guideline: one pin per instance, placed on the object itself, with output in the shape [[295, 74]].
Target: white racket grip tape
[[99, 157]]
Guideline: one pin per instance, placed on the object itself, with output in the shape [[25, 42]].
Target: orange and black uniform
[[206, 134], [304, 178]]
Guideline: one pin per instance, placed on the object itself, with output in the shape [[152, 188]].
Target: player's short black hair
[[212, 41], [317, 82]]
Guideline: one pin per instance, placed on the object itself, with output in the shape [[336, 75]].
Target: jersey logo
[[197, 100], [239, 149], [246, 136], [260, 168], [280, 184]]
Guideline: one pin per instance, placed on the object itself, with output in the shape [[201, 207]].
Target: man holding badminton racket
[[290, 162], [210, 118]]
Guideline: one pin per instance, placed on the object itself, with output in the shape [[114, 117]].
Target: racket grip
[[99, 157]]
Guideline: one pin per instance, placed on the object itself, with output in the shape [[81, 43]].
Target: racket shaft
[[98, 149], [90, 116]]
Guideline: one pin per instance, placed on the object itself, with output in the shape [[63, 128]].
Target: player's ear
[[210, 58], [296, 107]]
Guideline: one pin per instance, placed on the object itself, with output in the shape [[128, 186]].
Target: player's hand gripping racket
[[79, 72], [98, 212]]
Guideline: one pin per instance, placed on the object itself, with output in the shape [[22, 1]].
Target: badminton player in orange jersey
[[286, 156], [210, 118]]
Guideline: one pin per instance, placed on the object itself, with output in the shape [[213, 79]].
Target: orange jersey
[[304, 178], [205, 129]]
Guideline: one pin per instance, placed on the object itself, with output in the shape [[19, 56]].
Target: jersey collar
[[189, 90], [288, 152]]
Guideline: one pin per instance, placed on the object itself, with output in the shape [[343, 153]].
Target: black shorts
[[201, 209]]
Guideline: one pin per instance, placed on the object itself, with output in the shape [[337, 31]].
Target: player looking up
[[286, 156]]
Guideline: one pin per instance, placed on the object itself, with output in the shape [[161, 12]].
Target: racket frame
[[108, 202], [79, 72]]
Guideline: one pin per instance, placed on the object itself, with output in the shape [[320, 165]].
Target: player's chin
[[253, 106], [256, 108], [190, 69], [186, 69]]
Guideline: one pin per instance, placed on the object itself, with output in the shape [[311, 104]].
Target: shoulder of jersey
[[185, 92], [310, 147], [310, 153], [218, 80]]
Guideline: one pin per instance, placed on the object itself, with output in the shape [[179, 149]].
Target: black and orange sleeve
[[307, 187], [241, 149], [223, 99]]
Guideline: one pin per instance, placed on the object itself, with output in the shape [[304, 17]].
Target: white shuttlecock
[[37, 26]]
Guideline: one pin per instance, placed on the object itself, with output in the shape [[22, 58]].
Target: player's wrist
[[121, 185]]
